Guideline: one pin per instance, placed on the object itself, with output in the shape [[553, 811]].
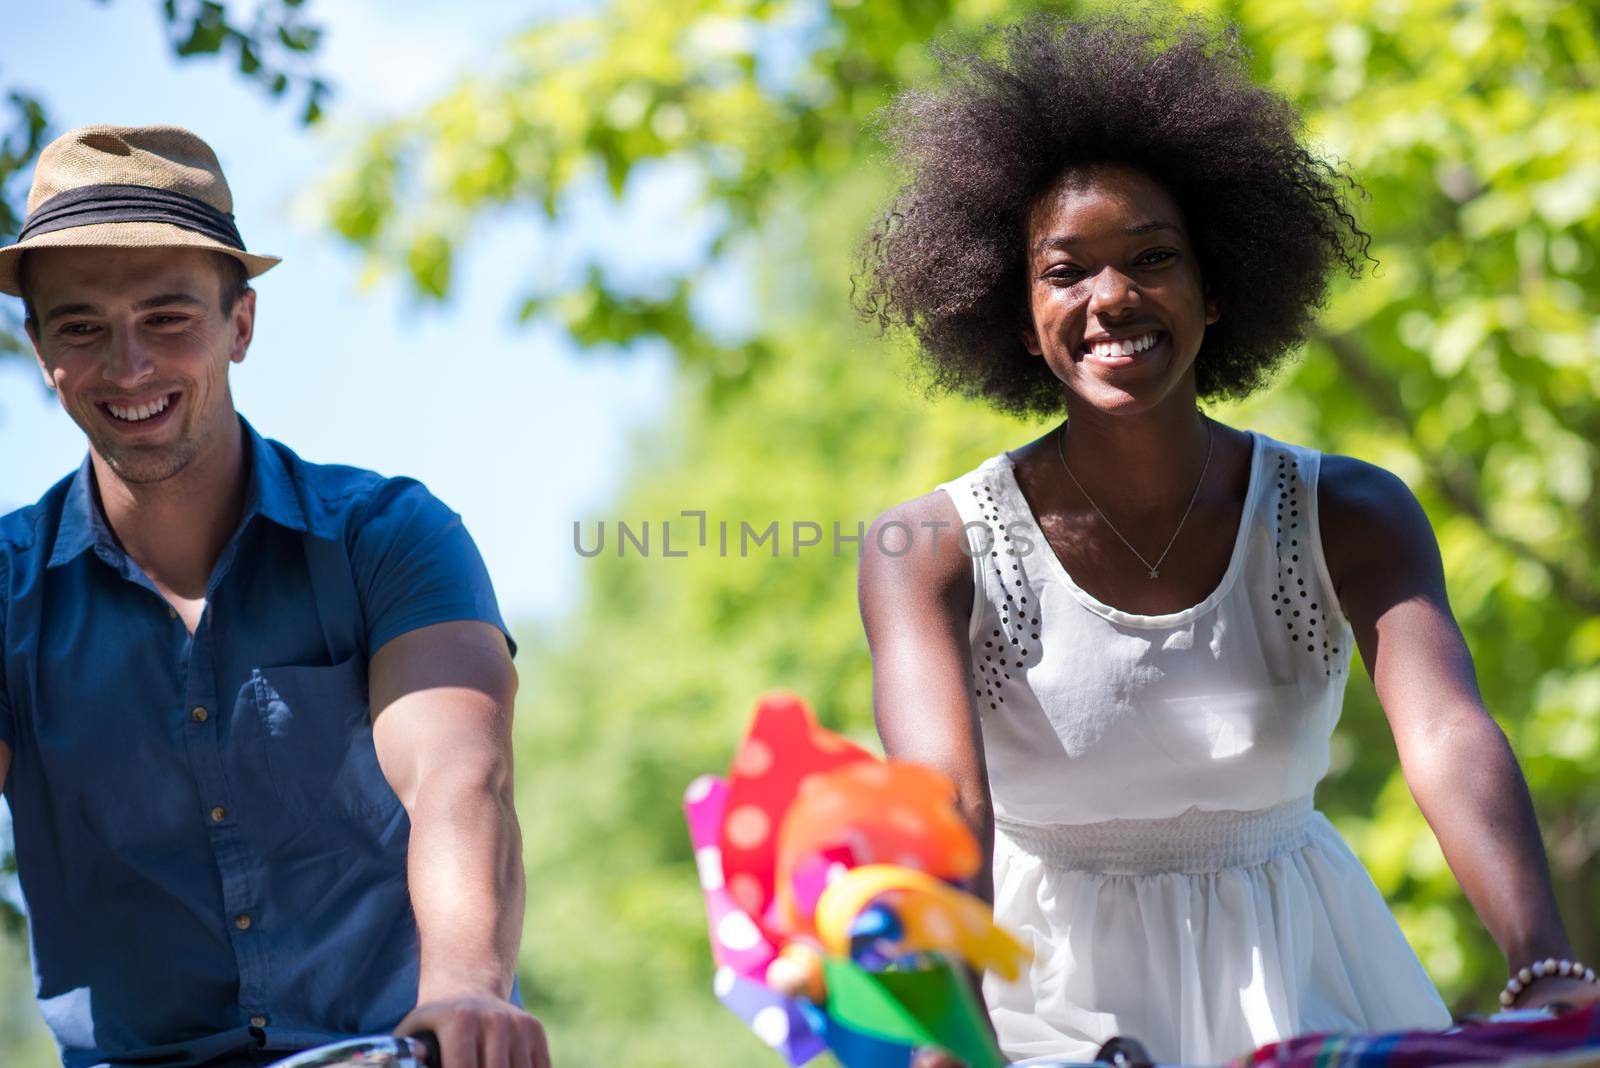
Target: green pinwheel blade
[[928, 1007]]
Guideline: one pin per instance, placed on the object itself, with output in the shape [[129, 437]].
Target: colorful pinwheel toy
[[832, 886]]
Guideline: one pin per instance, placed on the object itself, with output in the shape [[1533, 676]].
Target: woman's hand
[[1558, 994], [934, 1057]]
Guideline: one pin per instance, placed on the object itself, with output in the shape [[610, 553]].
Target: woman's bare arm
[[1389, 578], [915, 606]]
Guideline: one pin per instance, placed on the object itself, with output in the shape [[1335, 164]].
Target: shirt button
[[242, 921], [172, 613], [218, 814], [199, 714], [258, 1020]]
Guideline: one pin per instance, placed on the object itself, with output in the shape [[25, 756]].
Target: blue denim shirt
[[211, 857]]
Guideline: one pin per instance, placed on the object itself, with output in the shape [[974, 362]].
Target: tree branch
[[1452, 477]]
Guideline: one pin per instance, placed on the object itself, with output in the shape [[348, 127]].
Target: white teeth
[[1109, 348], [139, 412]]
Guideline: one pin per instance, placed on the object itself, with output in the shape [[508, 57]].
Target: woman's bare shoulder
[[1369, 519], [1356, 492], [921, 538]]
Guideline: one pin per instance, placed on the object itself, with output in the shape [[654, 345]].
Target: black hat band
[[91, 204]]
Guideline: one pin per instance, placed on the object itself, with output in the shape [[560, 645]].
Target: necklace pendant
[[1153, 572]]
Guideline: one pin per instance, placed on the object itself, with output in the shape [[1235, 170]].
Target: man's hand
[[478, 1031]]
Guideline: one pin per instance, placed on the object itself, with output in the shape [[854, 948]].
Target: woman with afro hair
[[1127, 641]]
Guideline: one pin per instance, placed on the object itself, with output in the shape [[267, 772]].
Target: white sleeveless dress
[[1156, 844]]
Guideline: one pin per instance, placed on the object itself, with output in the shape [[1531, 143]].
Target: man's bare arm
[[442, 700]]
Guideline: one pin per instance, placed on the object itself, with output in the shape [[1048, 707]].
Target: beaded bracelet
[[1542, 969]]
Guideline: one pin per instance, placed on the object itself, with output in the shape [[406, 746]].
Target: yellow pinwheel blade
[[935, 916]]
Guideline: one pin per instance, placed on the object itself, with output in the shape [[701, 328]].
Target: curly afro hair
[[947, 259]]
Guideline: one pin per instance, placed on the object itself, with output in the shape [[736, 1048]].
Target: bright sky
[[510, 426]]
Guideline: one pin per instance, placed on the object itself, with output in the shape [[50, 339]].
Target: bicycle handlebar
[[375, 1051], [422, 1051]]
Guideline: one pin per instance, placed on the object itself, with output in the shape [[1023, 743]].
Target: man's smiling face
[[136, 343]]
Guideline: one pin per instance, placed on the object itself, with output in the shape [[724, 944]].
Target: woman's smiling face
[[1118, 306]]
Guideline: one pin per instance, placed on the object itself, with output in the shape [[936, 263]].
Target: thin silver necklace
[[1155, 568]]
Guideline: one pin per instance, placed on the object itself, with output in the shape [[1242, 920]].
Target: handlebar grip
[[1124, 1052], [430, 1049]]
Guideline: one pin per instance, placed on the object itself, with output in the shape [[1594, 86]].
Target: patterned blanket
[[1559, 1040]]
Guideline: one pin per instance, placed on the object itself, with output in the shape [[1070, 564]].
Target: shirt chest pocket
[[313, 727]]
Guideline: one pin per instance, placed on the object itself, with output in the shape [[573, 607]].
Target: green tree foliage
[[1464, 363]]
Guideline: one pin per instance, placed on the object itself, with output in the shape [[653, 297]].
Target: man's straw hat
[[128, 187]]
